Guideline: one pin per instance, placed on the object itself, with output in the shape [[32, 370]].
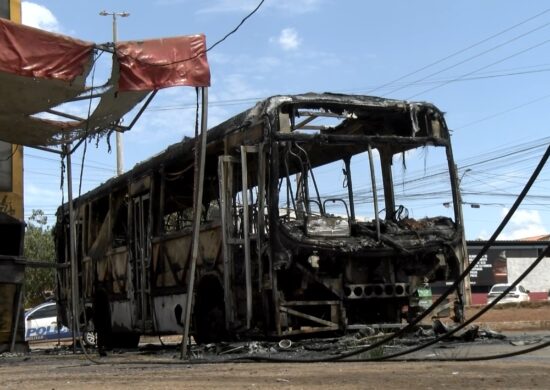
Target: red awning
[[162, 63], [31, 52], [40, 71]]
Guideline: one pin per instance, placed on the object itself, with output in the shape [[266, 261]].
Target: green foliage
[[39, 245]]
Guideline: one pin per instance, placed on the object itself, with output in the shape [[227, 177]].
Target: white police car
[[517, 294], [41, 324]]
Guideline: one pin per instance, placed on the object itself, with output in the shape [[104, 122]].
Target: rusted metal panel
[[118, 259], [171, 255], [170, 259], [88, 278], [140, 186]]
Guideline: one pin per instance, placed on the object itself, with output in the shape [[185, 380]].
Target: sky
[[485, 64]]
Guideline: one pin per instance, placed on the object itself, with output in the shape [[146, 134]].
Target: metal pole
[[19, 298], [347, 162], [247, 261], [72, 252], [119, 144], [374, 193], [114, 28], [464, 289], [199, 180]]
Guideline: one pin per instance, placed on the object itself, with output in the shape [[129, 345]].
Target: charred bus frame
[[271, 256]]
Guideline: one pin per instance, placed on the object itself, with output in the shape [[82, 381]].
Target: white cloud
[[524, 224], [288, 39], [36, 15]]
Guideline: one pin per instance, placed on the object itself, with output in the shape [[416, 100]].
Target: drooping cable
[[451, 332], [211, 47], [443, 296], [237, 27], [87, 127]]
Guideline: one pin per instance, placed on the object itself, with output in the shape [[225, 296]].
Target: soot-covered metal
[[282, 252]]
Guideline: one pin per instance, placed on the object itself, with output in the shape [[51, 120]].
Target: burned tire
[[209, 312], [89, 338]]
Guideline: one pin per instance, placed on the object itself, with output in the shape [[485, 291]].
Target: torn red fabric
[[160, 63], [30, 52]]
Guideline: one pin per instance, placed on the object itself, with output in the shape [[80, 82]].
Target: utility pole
[[119, 145]]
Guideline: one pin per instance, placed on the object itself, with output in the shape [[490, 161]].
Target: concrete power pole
[[119, 144]]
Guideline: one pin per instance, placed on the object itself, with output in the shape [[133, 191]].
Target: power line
[[75, 163], [232, 102], [483, 67], [503, 112], [208, 49], [238, 26], [57, 176], [461, 50], [417, 181], [477, 55]]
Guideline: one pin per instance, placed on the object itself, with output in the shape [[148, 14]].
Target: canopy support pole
[[200, 154], [72, 247]]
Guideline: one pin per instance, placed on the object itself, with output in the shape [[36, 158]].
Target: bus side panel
[[170, 257], [170, 274]]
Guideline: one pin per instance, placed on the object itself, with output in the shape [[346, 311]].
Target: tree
[[39, 245]]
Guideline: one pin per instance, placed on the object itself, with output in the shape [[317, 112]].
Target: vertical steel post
[[347, 162], [119, 144], [246, 241], [261, 211], [225, 176], [72, 248], [200, 154], [19, 295], [374, 193]]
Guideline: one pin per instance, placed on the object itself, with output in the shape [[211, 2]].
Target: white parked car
[[41, 324], [517, 294]]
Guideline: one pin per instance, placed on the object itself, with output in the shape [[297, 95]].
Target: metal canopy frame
[[28, 64], [200, 155]]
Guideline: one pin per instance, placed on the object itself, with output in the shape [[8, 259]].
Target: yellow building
[[11, 156], [12, 326]]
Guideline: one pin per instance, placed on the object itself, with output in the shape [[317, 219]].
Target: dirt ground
[[47, 369], [536, 312], [71, 374]]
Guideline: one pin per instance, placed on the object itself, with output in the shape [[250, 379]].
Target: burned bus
[[284, 249]]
